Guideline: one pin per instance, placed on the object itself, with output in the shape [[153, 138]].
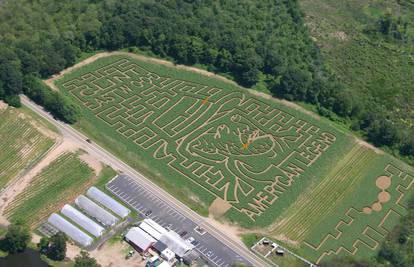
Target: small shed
[[139, 239], [167, 254]]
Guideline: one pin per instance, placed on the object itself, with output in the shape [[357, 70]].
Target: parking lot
[[148, 204]]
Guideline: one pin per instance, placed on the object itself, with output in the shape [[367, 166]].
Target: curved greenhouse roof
[[70, 230], [107, 201], [82, 220], [95, 211]]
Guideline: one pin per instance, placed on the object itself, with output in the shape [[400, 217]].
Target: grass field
[[285, 173], [57, 184], [21, 142]]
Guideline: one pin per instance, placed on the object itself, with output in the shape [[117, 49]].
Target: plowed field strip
[[314, 205], [64, 177], [20, 144]]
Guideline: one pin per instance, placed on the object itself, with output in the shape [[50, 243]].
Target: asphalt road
[[117, 164]]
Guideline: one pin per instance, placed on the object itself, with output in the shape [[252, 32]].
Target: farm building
[[107, 201], [152, 228], [82, 220], [176, 243], [168, 255], [139, 239], [70, 230], [159, 247], [95, 211]]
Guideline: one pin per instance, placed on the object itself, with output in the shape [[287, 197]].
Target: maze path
[[353, 232], [201, 132]]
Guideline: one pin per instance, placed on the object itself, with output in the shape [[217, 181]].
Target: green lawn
[[57, 184], [21, 142], [287, 174]]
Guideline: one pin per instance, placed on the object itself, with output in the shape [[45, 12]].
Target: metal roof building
[[70, 230], [107, 201], [174, 242], [82, 220], [95, 211], [151, 230], [159, 246], [139, 238], [156, 226]]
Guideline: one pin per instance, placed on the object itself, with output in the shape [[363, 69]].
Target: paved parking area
[[145, 202]]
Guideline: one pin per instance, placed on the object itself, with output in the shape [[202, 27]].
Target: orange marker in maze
[[251, 138], [205, 100]]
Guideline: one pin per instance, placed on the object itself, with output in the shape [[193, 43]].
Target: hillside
[[369, 46]]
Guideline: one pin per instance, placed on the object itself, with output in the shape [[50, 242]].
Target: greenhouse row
[[108, 202], [70, 230], [89, 218], [82, 220], [95, 211]]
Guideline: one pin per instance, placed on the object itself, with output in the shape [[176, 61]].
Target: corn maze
[[364, 225], [234, 146], [299, 179]]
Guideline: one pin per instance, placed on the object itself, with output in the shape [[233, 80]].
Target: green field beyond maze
[[288, 174]]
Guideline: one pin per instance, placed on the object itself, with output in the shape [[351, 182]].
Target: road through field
[[114, 162]]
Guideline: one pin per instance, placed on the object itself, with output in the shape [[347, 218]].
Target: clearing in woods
[[24, 139], [57, 184], [311, 185]]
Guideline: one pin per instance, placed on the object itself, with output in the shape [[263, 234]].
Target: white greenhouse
[[70, 230], [82, 220], [107, 201], [95, 211]]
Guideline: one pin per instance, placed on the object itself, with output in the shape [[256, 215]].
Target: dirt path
[[3, 106], [113, 255], [11, 191], [92, 162], [15, 188]]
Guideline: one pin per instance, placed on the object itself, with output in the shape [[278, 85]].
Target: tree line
[[250, 41], [18, 238]]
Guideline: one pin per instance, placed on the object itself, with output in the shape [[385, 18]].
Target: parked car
[[148, 212], [190, 239], [183, 233]]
